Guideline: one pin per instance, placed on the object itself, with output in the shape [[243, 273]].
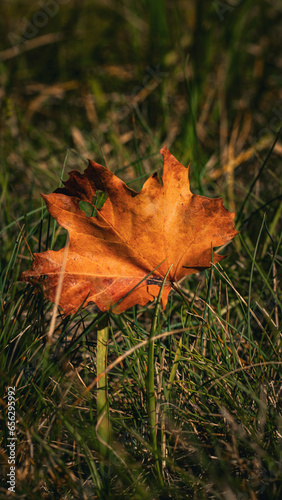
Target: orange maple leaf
[[134, 234]]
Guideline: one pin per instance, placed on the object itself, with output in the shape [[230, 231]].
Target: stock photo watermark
[[40, 18], [225, 7], [274, 124], [153, 78], [12, 439]]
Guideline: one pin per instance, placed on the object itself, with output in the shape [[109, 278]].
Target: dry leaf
[[132, 235]]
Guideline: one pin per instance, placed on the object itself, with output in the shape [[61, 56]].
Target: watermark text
[[11, 424]]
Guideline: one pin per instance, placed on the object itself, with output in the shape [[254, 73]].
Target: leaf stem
[[103, 427]]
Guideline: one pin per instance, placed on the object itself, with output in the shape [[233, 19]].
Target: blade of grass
[[239, 216], [151, 398]]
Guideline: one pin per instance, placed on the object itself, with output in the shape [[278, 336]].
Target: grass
[[154, 73]]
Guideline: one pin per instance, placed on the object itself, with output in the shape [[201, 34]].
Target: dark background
[[114, 81]]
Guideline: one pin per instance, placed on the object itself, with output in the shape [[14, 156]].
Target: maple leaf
[[134, 234]]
